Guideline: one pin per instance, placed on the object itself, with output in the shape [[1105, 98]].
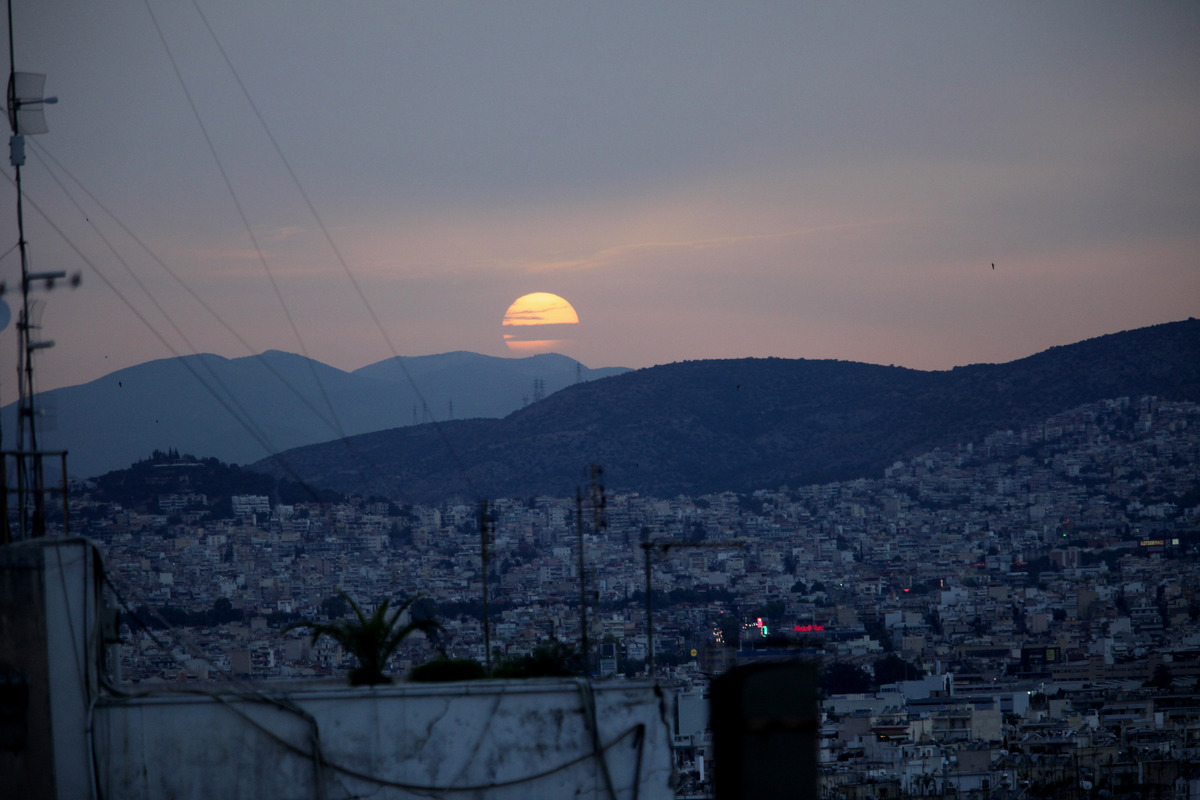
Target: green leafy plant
[[371, 640], [549, 660], [446, 670]]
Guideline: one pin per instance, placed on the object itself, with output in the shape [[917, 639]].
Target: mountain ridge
[[742, 424], [243, 409]]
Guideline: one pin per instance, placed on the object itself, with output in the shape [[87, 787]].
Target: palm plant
[[371, 640]]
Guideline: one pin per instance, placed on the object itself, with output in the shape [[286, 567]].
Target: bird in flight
[[993, 265]]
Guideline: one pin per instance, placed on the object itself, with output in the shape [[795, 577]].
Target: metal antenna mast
[[26, 117]]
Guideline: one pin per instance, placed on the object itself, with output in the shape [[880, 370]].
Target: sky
[[354, 180]]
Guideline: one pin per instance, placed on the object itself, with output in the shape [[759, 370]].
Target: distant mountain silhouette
[[702, 426], [244, 409]]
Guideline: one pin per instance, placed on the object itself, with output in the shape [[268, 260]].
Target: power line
[[41, 152], [241, 212], [320, 224], [246, 423]]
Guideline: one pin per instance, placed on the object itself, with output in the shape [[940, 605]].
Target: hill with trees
[[702, 426]]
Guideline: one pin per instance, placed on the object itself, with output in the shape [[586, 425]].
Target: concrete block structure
[[76, 734]]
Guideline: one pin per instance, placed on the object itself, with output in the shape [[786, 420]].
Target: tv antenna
[[26, 117]]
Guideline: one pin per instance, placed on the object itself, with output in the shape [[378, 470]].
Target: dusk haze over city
[[628, 401], [698, 180]]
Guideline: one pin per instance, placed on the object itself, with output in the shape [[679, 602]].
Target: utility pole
[[599, 503], [486, 528], [664, 545], [583, 631], [647, 546]]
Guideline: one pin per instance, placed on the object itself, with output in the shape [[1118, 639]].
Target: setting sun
[[535, 323]]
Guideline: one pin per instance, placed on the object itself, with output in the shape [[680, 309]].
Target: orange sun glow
[[537, 323]]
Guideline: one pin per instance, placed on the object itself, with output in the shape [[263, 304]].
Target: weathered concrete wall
[[47, 646], [554, 738], [493, 739], [27, 754]]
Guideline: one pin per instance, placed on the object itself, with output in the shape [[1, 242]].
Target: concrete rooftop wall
[[71, 738], [493, 739]]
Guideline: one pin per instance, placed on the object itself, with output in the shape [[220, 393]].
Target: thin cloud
[[610, 255]]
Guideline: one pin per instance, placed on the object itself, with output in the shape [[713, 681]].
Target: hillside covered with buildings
[[1018, 612]]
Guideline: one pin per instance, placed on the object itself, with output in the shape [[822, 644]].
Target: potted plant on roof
[[370, 639]]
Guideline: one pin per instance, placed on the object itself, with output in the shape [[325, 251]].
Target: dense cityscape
[[891, 488], [1011, 615]]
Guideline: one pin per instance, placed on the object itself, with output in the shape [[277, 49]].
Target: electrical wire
[[247, 691], [342, 436], [314, 752], [247, 425], [43, 155], [240, 209], [495, 784], [360, 460], [213, 375], [588, 698], [432, 790], [362, 296], [62, 581], [598, 751], [245, 419], [80, 666], [239, 413]]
